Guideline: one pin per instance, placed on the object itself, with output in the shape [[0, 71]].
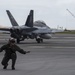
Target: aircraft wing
[[5, 30], [56, 30], [41, 31], [46, 31]]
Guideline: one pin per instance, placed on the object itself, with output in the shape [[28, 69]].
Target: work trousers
[[6, 58]]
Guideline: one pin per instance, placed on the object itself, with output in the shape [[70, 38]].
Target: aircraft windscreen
[[40, 23]]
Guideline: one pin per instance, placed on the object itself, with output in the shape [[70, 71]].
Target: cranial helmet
[[12, 40]]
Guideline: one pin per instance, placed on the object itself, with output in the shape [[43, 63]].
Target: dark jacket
[[11, 49]]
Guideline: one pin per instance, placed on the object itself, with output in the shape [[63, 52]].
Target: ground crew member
[[10, 53]]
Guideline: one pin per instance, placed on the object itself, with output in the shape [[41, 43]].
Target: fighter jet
[[20, 32], [31, 30]]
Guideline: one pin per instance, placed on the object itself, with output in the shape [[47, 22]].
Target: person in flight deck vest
[[10, 53]]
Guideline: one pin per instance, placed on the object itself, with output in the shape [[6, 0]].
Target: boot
[[13, 68], [5, 66]]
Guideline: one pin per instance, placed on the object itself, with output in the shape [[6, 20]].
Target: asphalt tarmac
[[55, 56]]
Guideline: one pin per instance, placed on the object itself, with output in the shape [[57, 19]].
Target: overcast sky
[[52, 12]]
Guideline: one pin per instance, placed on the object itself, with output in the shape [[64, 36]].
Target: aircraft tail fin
[[29, 21], [12, 20]]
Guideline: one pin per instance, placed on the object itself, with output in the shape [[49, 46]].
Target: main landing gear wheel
[[18, 40], [39, 40]]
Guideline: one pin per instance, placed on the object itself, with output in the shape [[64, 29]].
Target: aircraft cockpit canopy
[[40, 23]]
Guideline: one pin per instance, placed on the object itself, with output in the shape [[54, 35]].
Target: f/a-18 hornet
[[34, 30]]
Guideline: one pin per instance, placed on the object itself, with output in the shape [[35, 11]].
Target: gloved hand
[[27, 51]]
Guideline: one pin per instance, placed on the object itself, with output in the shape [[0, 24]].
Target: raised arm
[[2, 48], [21, 50]]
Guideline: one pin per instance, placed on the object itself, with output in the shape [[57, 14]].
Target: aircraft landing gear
[[18, 40], [39, 40]]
